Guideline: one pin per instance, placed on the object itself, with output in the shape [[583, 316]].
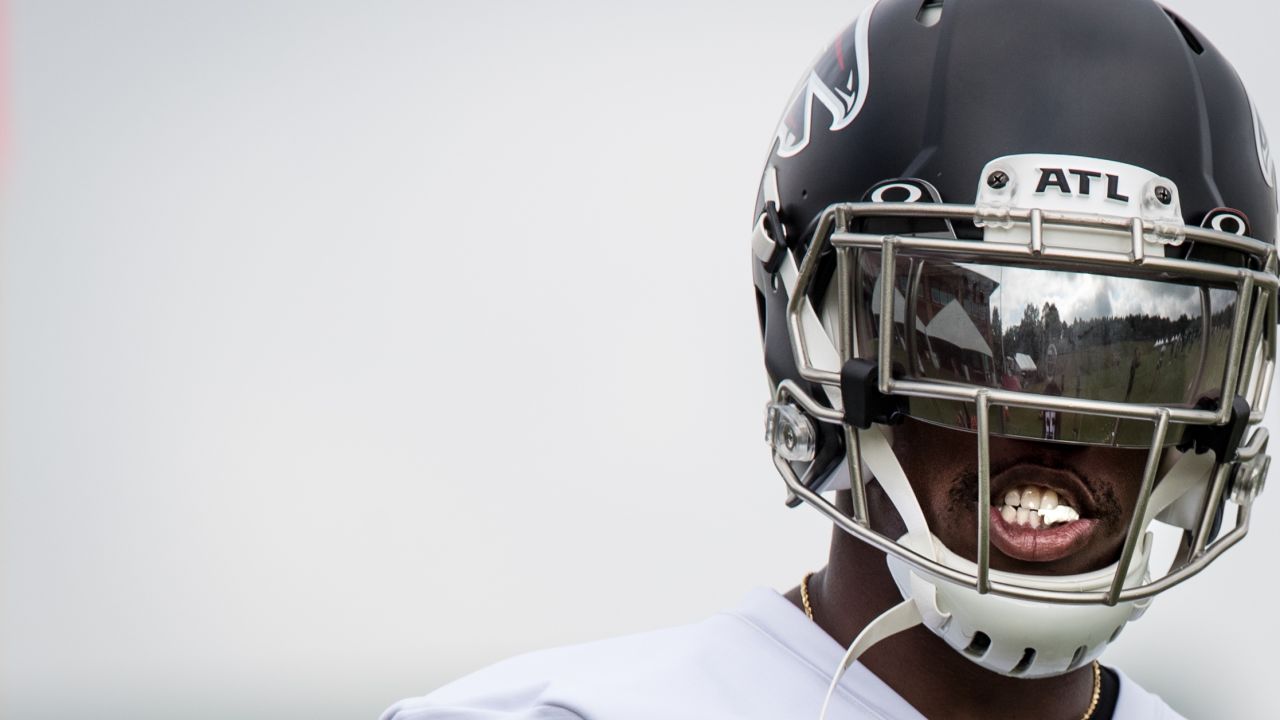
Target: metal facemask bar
[[1251, 360]]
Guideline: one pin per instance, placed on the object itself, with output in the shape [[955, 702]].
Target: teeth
[[1036, 507], [1048, 500], [1060, 514], [1031, 498]]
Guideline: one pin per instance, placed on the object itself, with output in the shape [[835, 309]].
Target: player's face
[[1095, 489]]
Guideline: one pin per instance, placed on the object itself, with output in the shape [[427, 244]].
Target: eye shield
[[1079, 335], [1077, 301]]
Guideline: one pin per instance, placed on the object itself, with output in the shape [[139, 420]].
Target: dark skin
[[855, 587]]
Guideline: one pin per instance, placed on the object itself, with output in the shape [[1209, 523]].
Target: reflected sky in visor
[[1082, 296]]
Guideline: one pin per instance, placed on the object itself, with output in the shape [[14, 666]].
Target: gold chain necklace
[[1097, 669]]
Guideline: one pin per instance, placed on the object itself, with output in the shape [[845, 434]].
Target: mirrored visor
[[1051, 332]]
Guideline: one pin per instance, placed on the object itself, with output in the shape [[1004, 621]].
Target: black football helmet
[[1049, 220]]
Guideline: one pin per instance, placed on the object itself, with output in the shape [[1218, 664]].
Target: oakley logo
[[1087, 182]]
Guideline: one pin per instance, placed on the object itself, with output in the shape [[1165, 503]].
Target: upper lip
[[1069, 486]]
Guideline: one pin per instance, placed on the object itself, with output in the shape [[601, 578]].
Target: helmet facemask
[[1001, 329]]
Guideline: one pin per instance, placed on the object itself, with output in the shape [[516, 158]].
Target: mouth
[[1041, 514]]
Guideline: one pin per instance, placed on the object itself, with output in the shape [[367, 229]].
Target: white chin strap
[[902, 616], [1012, 637]]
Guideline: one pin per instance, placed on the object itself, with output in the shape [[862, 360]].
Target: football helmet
[[1052, 221]]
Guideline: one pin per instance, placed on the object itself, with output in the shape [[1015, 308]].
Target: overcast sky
[[1087, 296]]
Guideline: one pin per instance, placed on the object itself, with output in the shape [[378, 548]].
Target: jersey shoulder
[[1138, 703], [576, 682], [759, 661]]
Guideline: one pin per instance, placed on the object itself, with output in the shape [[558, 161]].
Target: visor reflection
[[1072, 334]]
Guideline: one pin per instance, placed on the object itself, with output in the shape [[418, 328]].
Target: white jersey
[[763, 660]]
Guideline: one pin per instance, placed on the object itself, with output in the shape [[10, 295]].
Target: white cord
[[900, 617]]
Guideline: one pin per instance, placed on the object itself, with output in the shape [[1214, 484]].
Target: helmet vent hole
[[979, 646], [930, 13], [1077, 657], [1028, 657], [1115, 634], [1193, 42]]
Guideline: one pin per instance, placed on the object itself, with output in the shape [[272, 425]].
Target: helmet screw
[[789, 437], [1164, 195], [997, 179]]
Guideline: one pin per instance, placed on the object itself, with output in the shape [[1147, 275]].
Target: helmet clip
[[790, 432], [863, 402], [1223, 440]]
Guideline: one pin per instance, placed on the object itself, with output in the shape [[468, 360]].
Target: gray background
[[350, 347]]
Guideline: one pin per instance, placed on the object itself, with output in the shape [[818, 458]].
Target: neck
[[856, 587]]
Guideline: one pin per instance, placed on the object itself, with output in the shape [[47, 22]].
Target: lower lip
[[1045, 544]]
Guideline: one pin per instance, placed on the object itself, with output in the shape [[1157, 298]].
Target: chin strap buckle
[[1223, 440], [863, 402], [769, 238], [1248, 463]]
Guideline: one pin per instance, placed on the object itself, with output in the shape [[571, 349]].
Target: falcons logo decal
[[841, 89]]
